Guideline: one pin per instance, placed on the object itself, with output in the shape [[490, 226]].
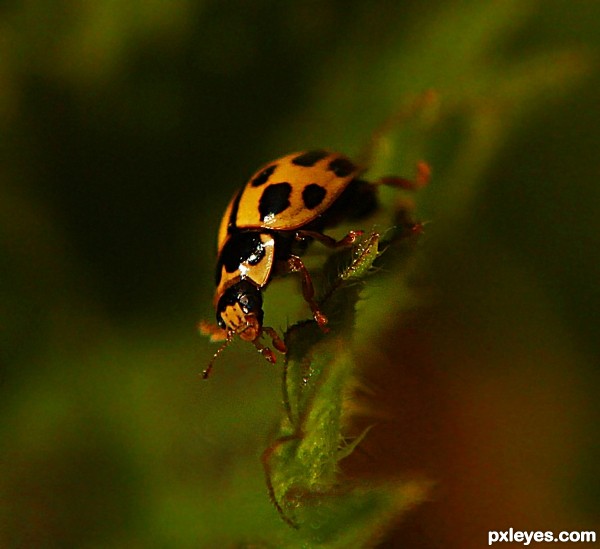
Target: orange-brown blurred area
[[126, 127]]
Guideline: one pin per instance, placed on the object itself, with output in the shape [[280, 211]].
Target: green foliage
[[125, 130], [302, 464]]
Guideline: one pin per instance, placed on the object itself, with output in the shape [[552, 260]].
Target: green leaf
[[302, 464]]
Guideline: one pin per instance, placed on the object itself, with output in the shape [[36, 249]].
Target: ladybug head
[[240, 311]]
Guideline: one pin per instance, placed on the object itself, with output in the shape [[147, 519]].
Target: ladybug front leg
[[277, 341], [295, 265], [328, 241]]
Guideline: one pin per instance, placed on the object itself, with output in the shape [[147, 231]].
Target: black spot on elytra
[[309, 158], [342, 167], [313, 195], [240, 248], [275, 199], [263, 176]]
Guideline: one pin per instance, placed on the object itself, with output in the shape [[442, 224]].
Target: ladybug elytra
[[284, 206]]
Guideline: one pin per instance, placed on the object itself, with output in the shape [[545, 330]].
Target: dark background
[[124, 130]]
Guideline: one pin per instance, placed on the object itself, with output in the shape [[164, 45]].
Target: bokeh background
[[124, 129]]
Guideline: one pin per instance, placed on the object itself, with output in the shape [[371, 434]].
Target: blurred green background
[[124, 129]]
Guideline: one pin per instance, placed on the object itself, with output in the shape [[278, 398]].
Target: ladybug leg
[[420, 180], [349, 239], [295, 265], [277, 341], [265, 351]]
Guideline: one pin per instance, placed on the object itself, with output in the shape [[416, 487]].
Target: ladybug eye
[[244, 302]]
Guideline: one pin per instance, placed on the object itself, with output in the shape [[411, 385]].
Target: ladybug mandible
[[284, 206]]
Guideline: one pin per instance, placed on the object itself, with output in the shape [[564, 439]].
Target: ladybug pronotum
[[284, 206]]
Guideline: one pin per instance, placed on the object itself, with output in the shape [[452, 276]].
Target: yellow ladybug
[[268, 223]]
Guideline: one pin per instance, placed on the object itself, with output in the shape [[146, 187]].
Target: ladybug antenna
[[208, 369]]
